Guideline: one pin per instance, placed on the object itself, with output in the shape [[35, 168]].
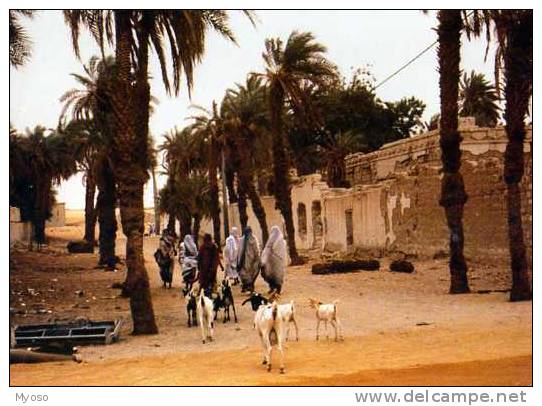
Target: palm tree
[[206, 128], [514, 55], [518, 65], [86, 134], [335, 149], [90, 109], [453, 195], [135, 31], [179, 159], [433, 123], [289, 68], [20, 46], [40, 161], [478, 98], [246, 126]]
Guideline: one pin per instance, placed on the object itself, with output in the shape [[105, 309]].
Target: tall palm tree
[[514, 55], [478, 98], [289, 68], [20, 45], [207, 129], [135, 31], [179, 159], [518, 65], [246, 124], [87, 135], [90, 109], [453, 195]]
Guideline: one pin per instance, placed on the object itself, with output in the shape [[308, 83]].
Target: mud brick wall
[[409, 174], [421, 227]]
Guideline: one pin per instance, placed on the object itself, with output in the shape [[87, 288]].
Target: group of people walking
[[242, 255]]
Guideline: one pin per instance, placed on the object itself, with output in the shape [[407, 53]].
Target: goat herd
[[205, 298], [272, 320]]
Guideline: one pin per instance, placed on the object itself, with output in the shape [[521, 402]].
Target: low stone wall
[[18, 231]]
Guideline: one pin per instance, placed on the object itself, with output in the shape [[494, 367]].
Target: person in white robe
[[248, 260], [274, 260], [230, 254]]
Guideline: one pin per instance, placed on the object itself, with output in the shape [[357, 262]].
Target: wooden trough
[[67, 334]]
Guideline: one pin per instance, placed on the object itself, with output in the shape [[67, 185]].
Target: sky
[[381, 40]]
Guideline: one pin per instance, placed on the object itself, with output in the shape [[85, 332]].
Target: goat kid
[[327, 313], [191, 307], [224, 300], [287, 314], [205, 316]]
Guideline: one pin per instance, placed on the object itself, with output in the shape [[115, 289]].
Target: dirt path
[[463, 339], [465, 356]]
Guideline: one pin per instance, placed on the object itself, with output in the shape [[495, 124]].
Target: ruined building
[[393, 202]]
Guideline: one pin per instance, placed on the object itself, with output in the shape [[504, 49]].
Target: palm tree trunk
[[518, 65], [171, 223], [131, 108], [185, 223], [90, 210], [213, 186], [197, 226], [157, 224], [229, 173], [225, 206], [41, 209], [242, 206], [244, 171], [107, 220], [281, 172], [453, 194]]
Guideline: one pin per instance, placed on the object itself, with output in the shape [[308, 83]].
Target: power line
[[407, 64], [416, 57]]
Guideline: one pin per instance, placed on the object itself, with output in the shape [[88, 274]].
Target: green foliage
[[341, 107], [404, 116], [38, 162], [478, 98], [186, 193]]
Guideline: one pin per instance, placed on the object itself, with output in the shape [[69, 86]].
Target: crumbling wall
[[408, 173], [335, 203], [306, 191]]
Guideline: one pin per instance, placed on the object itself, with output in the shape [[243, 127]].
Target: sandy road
[[405, 358], [465, 340]]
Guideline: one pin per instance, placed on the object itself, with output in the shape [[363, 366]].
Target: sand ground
[[399, 329]]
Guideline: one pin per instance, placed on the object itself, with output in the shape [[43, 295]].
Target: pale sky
[[381, 40]]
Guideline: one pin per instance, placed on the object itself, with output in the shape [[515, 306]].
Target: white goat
[[269, 326], [205, 316], [325, 313], [286, 312]]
